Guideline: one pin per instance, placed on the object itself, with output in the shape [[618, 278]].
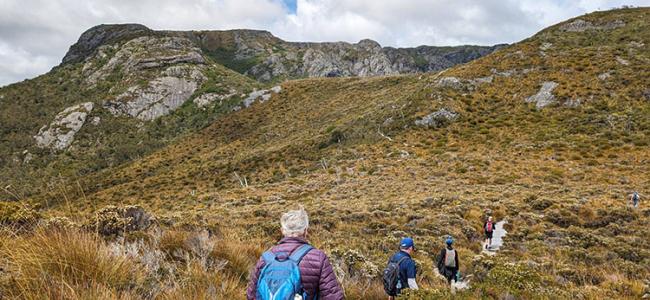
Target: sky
[[36, 34]]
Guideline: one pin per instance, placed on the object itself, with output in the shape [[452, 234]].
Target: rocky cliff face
[[265, 57]]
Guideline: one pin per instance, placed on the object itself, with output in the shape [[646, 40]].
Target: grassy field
[[348, 150]]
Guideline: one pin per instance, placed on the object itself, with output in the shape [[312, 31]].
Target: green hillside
[[550, 134]]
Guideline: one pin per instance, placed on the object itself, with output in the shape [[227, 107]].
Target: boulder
[[622, 61], [545, 46], [438, 118], [604, 76], [545, 96], [60, 133], [450, 82]]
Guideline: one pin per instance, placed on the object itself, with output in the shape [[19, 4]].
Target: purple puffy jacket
[[316, 272]]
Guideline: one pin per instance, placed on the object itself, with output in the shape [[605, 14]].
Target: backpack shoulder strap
[[268, 257], [299, 253], [399, 262]]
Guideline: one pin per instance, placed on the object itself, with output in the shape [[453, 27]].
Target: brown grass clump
[[197, 283], [240, 256], [66, 265]]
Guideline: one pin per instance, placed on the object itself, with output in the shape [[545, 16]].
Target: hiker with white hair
[[293, 269]]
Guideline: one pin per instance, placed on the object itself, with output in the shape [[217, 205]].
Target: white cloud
[[35, 34], [17, 64]]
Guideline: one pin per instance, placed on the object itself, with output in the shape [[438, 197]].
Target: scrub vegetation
[[348, 149]]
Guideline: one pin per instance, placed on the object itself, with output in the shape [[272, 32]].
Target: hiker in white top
[[448, 262]]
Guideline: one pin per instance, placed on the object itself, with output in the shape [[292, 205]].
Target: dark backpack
[[391, 276], [280, 277]]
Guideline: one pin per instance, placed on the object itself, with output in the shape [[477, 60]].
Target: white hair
[[294, 222]]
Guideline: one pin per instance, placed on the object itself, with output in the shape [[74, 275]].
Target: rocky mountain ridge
[[265, 57]]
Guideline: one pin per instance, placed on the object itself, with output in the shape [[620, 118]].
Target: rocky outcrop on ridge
[[60, 133], [265, 57]]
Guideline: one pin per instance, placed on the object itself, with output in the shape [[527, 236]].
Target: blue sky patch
[[291, 5]]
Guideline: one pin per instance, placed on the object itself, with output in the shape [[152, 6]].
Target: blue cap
[[449, 241], [407, 243]]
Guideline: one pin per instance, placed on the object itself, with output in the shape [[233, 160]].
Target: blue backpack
[[280, 277]]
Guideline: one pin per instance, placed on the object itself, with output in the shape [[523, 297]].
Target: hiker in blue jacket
[[407, 269]]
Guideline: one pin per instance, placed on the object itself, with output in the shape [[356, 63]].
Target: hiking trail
[[497, 242], [497, 239]]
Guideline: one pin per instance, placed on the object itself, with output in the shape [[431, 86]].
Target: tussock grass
[[66, 265]]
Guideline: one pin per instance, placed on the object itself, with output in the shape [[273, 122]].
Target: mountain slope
[[550, 134], [126, 100], [123, 91]]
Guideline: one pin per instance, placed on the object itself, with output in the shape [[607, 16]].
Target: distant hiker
[[293, 269], [635, 198], [400, 272], [448, 261], [488, 228]]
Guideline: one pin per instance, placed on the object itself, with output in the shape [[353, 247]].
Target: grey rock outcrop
[[140, 54], [261, 96], [161, 96], [573, 102], [437, 118], [580, 25], [60, 133], [205, 100], [99, 35], [545, 95]]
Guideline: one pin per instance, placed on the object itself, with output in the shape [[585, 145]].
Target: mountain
[[125, 90], [550, 134], [265, 57]]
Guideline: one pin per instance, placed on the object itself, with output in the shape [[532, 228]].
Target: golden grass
[[65, 264]]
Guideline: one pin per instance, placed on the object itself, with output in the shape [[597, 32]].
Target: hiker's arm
[[457, 260], [410, 275], [328, 286], [252, 281], [413, 284]]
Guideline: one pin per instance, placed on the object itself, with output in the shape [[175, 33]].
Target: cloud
[[35, 34]]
